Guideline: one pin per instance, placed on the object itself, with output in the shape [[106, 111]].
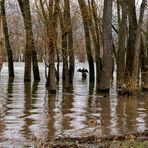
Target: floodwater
[[28, 110]]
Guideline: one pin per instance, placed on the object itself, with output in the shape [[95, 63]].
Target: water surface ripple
[[28, 109]]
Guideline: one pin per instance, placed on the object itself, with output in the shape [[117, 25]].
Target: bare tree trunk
[[7, 43], [58, 65], [65, 60], [64, 24], [1, 46], [30, 48], [70, 44], [144, 73], [53, 16], [137, 47], [85, 17], [122, 45], [131, 38], [97, 42], [106, 73], [118, 10]]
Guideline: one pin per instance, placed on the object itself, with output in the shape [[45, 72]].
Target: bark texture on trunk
[[70, 44], [1, 45], [131, 38], [52, 38], [7, 43], [122, 45], [135, 73], [30, 53], [94, 28], [85, 18], [64, 24], [144, 73], [106, 73]]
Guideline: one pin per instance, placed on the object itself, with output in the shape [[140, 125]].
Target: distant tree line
[[112, 34]]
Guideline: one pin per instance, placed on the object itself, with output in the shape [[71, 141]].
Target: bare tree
[[49, 11], [30, 52], [106, 73], [85, 17], [122, 38], [132, 20], [7, 42], [1, 46], [70, 44], [137, 44], [144, 73], [63, 22], [96, 37]]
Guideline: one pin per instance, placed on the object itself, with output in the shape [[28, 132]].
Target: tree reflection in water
[[29, 109]]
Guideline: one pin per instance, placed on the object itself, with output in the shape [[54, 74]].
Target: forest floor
[[135, 140]]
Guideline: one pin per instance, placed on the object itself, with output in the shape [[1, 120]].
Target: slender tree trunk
[[7, 43], [64, 24], [70, 44], [1, 46], [85, 17], [143, 55], [118, 11], [65, 60], [106, 73], [58, 65], [53, 16], [131, 38], [122, 45], [30, 48], [135, 72], [97, 42], [36, 73], [144, 74]]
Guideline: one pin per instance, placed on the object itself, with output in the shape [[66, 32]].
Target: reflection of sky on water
[[28, 109]]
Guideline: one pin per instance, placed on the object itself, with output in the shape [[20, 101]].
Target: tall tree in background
[[94, 27], [106, 73], [64, 24], [1, 46], [85, 17], [70, 43], [49, 17], [30, 52], [122, 38], [53, 17], [144, 73], [135, 72], [132, 20], [7, 43], [67, 45]]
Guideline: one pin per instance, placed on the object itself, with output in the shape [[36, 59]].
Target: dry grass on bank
[[136, 140]]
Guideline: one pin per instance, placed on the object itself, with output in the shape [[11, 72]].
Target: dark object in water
[[84, 72]]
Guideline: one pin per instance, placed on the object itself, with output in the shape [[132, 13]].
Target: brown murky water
[[28, 110]]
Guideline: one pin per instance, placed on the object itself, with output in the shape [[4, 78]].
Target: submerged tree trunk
[[144, 73], [85, 17], [70, 44], [1, 45], [30, 48], [52, 30], [64, 24], [135, 72], [122, 45], [58, 65], [106, 73], [7, 43], [97, 42], [132, 20]]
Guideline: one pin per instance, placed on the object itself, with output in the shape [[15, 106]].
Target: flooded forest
[[72, 69]]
